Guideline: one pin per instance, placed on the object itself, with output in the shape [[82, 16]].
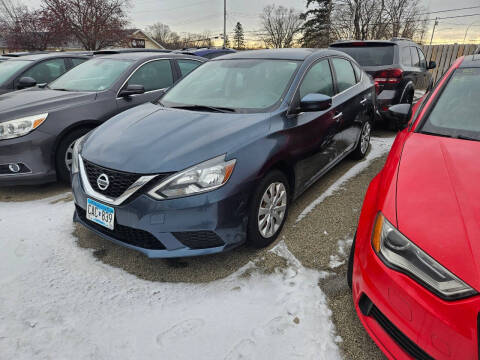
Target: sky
[[207, 15]]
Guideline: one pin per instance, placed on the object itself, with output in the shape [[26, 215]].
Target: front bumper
[[34, 154], [407, 321], [197, 225]]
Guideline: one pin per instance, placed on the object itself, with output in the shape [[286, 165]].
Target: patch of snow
[[58, 302], [335, 262], [340, 258], [379, 147]]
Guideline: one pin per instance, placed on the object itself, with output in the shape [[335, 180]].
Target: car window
[[318, 80], [405, 56], [358, 71], [187, 66], [153, 75], [423, 63], [46, 71], [345, 74], [415, 58], [368, 54], [77, 61], [11, 67]]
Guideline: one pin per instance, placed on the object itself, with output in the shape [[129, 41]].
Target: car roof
[[343, 43], [280, 54], [140, 55], [41, 56], [129, 50], [470, 61]]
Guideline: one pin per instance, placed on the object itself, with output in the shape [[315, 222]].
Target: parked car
[[24, 71], [223, 154], [208, 53], [414, 261], [128, 50], [398, 67], [38, 126]]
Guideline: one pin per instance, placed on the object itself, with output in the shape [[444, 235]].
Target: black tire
[[63, 172], [350, 264], [255, 238], [360, 150]]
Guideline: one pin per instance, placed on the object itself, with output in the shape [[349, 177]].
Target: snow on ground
[[340, 258], [58, 302], [379, 147]]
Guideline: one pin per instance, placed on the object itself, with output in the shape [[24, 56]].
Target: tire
[[258, 232], [350, 264], [363, 143], [64, 147]]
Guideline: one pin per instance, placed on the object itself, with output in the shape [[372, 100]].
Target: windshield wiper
[[464, 137], [436, 134], [205, 107], [59, 89]]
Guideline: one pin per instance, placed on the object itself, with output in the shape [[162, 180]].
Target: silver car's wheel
[[69, 156], [365, 137], [272, 209]]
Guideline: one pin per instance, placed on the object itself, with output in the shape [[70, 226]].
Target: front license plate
[[101, 214]]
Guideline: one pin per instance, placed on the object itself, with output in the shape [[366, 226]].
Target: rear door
[[155, 76], [426, 76], [417, 74]]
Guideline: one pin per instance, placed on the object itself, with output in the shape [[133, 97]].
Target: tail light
[[389, 76]]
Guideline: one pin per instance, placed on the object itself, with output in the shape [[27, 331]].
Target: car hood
[[37, 100], [438, 201], [152, 139]]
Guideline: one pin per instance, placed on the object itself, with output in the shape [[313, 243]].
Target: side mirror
[[431, 65], [401, 113], [132, 90], [315, 102], [26, 82]]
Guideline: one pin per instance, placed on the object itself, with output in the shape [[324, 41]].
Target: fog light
[[15, 168]]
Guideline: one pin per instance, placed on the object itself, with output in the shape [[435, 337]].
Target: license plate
[[101, 214]]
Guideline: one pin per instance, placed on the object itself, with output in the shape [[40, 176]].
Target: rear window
[[456, 112], [369, 55]]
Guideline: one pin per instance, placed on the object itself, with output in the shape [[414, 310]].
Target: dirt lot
[[319, 239]]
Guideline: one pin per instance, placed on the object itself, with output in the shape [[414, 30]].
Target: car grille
[[368, 308], [119, 181], [128, 235], [199, 239]]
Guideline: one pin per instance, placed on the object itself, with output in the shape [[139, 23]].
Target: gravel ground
[[314, 241]]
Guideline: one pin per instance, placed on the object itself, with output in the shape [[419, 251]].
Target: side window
[[345, 74], [318, 80], [187, 66], [153, 75], [358, 71], [77, 61], [46, 71], [415, 58], [423, 63], [405, 56]]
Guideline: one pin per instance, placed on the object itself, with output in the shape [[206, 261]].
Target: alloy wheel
[[365, 137], [272, 209], [69, 156]]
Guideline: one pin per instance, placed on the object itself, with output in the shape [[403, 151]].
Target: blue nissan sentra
[[219, 159]]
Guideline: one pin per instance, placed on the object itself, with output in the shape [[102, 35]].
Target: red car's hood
[[438, 201]]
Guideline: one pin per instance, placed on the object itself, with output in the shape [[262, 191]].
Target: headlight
[[76, 152], [399, 253], [200, 178], [20, 127]]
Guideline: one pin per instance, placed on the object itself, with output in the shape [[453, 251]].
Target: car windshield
[[456, 112], [370, 55], [92, 75], [10, 67], [244, 85]]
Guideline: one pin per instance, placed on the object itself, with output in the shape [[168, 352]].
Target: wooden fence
[[445, 55]]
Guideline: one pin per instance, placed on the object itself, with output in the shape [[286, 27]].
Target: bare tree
[[96, 24], [164, 35], [280, 26]]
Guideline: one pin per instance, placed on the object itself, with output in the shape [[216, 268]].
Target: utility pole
[[433, 31], [224, 24]]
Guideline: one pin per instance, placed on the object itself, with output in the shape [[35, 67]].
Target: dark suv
[[398, 67]]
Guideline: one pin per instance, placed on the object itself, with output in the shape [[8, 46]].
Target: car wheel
[[364, 142], [268, 209], [350, 264], [63, 155]]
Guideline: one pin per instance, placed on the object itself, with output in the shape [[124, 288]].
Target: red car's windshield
[[457, 110]]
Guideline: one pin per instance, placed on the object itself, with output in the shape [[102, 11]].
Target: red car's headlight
[[399, 253]]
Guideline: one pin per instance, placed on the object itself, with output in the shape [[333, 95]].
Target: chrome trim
[[338, 116], [363, 101], [118, 201]]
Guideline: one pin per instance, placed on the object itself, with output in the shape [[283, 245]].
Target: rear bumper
[[408, 320], [34, 154], [197, 225]]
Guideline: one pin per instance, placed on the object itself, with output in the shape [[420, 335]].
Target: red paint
[[429, 189]]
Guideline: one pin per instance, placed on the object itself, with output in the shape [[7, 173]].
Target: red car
[[414, 267]]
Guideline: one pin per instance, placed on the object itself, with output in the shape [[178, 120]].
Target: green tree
[[239, 37], [317, 29]]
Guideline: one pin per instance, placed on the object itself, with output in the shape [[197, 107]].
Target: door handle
[[363, 101], [338, 116]]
